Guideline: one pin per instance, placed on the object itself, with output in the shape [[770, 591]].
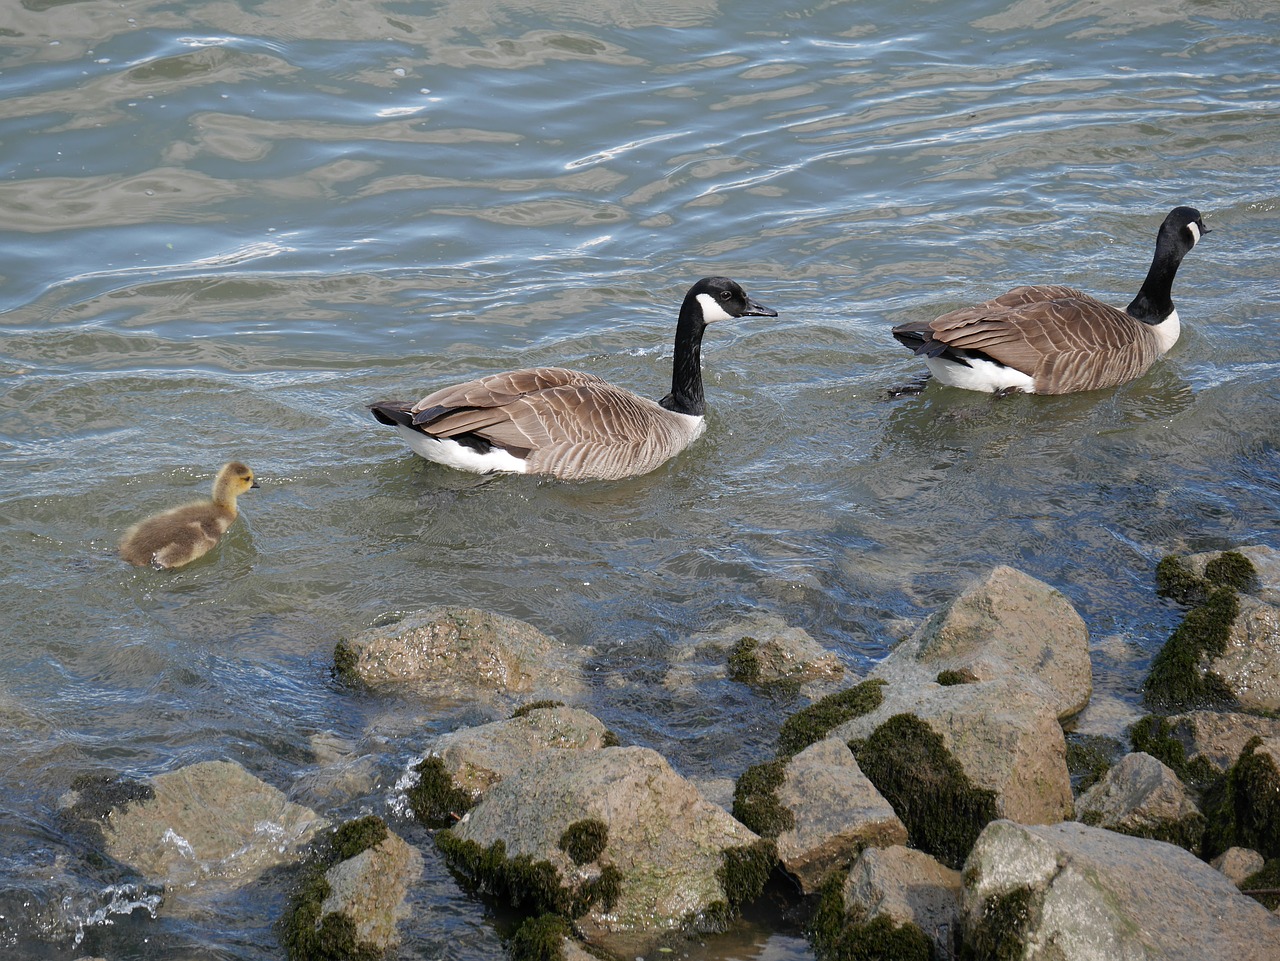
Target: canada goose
[[180, 535], [1054, 340], [566, 424]]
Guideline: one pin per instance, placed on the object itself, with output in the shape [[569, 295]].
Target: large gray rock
[[837, 811], [664, 838], [479, 757], [461, 654], [908, 887], [1004, 733], [1219, 737], [209, 826], [1141, 796], [1076, 893], [1007, 624]]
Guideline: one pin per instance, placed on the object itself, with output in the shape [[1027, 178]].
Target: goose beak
[[758, 310], [254, 484]]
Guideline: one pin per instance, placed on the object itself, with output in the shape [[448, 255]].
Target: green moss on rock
[[837, 935], [1154, 735], [744, 870], [526, 709], [1266, 879], [356, 837], [1089, 757], [950, 678], [744, 661], [434, 800], [909, 764], [1176, 680], [813, 723], [1230, 570], [1001, 934], [755, 800], [1253, 792], [585, 840], [539, 939], [345, 660]]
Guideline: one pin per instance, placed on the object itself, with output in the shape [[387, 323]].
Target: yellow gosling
[[180, 535]]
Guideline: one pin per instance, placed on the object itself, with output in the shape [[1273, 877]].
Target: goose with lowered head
[[566, 424], [179, 535], [1050, 339]]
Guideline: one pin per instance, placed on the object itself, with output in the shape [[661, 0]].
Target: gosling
[[180, 535]]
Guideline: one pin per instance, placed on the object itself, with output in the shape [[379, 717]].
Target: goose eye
[[725, 295]]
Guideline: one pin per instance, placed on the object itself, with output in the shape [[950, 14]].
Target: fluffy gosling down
[[569, 425], [179, 535], [1049, 339]]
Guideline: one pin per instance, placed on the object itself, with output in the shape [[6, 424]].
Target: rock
[[370, 889], [1219, 737], [1095, 895], [476, 758], [351, 895], [908, 887], [1007, 624], [208, 826], [1004, 733], [459, 653], [1238, 863], [662, 863], [768, 651], [1266, 564], [1250, 666], [1142, 797], [837, 812]]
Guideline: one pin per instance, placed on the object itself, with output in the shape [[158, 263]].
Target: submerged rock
[[1144, 798], [207, 827], [614, 839], [1087, 894], [460, 653], [907, 887]]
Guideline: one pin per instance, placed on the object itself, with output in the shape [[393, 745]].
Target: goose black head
[[723, 299]]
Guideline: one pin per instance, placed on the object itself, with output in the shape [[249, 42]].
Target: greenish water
[[225, 227]]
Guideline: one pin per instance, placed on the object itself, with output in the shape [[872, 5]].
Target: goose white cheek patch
[[1195, 233], [711, 309]]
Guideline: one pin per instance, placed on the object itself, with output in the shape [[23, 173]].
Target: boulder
[[1077, 893], [1266, 565], [1219, 737], [207, 827], [370, 890], [767, 651], [1142, 797], [1250, 665], [660, 858], [461, 654], [836, 813], [1004, 733], [1008, 624], [1238, 863], [908, 887]]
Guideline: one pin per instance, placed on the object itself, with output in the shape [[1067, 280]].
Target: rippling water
[[226, 226]]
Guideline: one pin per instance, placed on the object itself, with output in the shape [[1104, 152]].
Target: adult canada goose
[[1055, 340], [181, 534], [566, 424]]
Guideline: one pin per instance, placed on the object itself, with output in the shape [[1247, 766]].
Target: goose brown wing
[[1031, 326]]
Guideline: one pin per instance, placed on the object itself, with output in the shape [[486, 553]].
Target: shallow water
[[225, 227]]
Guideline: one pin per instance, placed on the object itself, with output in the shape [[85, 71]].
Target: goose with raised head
[[1050, 339], [179, 535], [566, 424]]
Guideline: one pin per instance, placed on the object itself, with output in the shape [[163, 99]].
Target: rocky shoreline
[[936, 808]]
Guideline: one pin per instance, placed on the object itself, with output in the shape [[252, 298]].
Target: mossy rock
[[1001, 934], [584, 841], [521, 882], [1177, 680], [951, 677], [908, 762], [1244, 810], [837, 935], [1265, 879], [1089, 757], [755, 800], [345, 660], [529, 708], [745, 871], [1154, 735], [744, 661], [306, 932], [1230, 570], [435, 800], [813, 723], [539, 939]]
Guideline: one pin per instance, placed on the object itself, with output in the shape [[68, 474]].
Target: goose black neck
[[686, 395], [1155, 299]]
